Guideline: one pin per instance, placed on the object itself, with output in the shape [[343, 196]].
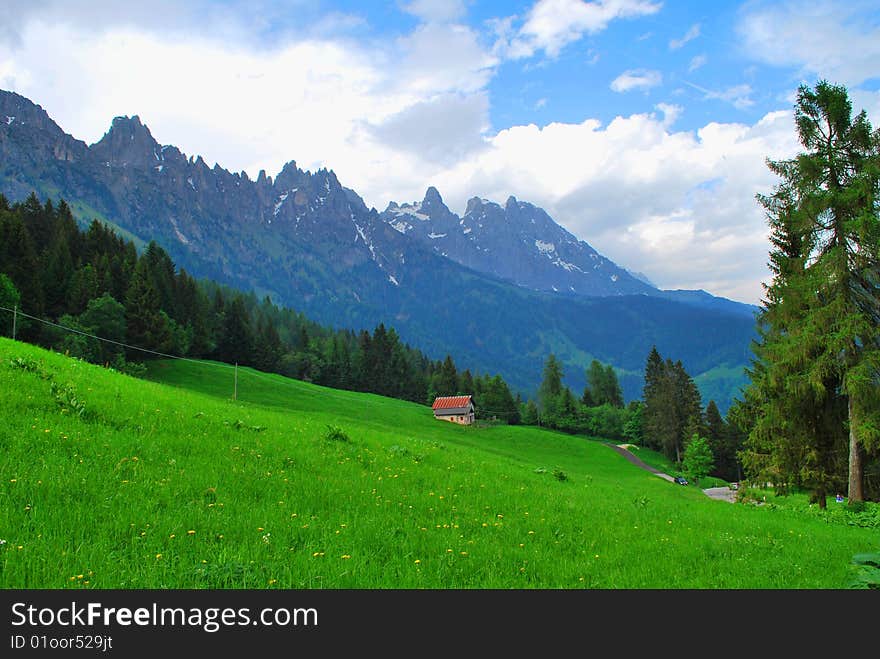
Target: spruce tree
[[820, 326], [550, 391]]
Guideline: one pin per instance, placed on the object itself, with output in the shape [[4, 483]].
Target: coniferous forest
[[93, 283]]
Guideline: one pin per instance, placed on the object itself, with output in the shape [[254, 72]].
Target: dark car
[[680, 480]]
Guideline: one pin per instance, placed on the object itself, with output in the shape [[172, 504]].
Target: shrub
[[67, 399], [867, 571], [336, 434]]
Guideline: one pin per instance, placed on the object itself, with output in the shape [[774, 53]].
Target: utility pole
[[14, 319], [235, 390]]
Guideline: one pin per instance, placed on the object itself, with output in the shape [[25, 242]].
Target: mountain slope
[[156, 486], [312, 244], [518, 242]]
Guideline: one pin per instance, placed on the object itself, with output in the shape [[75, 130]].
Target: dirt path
[[638, 463], [720, 493]]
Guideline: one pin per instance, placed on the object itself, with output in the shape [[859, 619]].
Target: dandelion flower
[[158, 556], [191, 532], [417, 561], [346, 556]]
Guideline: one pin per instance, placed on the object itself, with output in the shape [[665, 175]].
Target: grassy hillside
[[113, 482]]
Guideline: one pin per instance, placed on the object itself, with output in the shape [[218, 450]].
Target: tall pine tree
[[820, 336]]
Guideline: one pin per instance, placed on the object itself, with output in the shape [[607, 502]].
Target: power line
[[18, 312], [253, 372], [101, 338], [131, 347]]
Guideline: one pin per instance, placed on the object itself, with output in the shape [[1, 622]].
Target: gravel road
[[721, 493]]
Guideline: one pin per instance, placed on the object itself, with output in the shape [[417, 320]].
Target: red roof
[[446, 402]]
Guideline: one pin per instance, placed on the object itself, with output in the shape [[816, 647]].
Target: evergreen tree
[[530, 415], [550, 391], [20, 262], [10, 298], [672, 408], [105, 317], [466, 383], [236, 342], [267, 349], [146, 325], [603, 386], [447, 379], [57, 273], [820, 339]]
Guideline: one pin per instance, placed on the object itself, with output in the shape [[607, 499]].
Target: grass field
[[108, 481]]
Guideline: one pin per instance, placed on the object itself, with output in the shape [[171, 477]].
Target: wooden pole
[[14, 319], [235, 390]]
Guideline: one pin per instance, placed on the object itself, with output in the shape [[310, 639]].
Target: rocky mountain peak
[[128, 142], [18, 110], [432, 196], [474, 204]]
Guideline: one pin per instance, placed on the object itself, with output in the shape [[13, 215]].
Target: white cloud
[[739, 96], [678, 206], [636, 79], [690, 35], [443, 130], [440, 11], [393, 118], [550, 25], [835, 40], [671, 113], [322, 102], [696, 62]]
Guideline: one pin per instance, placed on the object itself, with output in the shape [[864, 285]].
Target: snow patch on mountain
[[545, 248], [281, 199], [412, 210], [400, 226]]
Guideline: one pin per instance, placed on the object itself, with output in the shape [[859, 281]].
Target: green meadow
[[109, 481]]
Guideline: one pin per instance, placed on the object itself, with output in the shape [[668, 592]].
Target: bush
[[67, 399], [867, 571], [335, 434]]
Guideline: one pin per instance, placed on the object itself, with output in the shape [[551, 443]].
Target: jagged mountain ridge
[[313, 244], [517, 242]]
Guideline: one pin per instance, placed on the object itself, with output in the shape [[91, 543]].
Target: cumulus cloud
[[442, 130], [690, 35], [836, 40], [550, 25], [678, 205], [670, 113], [392, 118], [636, 79]]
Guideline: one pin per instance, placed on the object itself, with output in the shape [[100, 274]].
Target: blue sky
[[642, 126]]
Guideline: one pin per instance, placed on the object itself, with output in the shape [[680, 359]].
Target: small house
[[457, 409]]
